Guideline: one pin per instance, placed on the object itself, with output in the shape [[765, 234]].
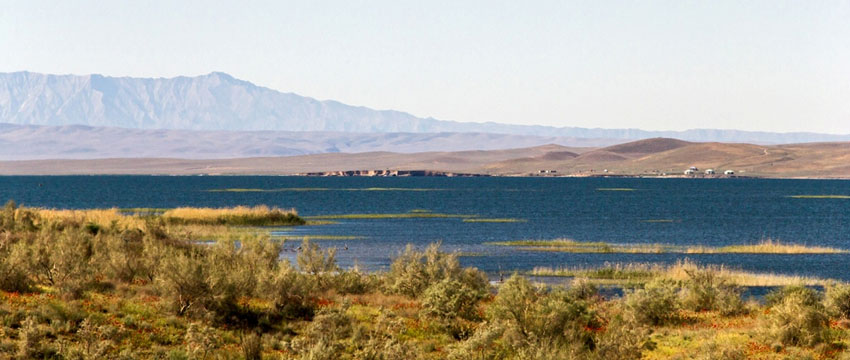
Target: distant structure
[[709, 172], [694, 168], [729, 172], [690, 171], [548, 171]]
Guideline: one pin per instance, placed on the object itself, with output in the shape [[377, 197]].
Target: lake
[[711, 212]]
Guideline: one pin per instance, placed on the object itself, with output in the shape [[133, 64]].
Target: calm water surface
[[696, 212]]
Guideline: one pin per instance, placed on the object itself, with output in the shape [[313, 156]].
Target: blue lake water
[[711, 212]]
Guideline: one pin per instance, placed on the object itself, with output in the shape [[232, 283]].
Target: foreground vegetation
[[764, 247], [101, 284]]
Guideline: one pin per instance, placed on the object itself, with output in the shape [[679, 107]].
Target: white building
[[709, 172], [689, 172], [729, 172]]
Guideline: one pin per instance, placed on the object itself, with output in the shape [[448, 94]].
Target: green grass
[[819, 196], [493, 220], [572, 246]]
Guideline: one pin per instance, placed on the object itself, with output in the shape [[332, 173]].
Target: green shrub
[[808, 296], [704, 290], [414, 271], [532, 318], [321, 264], [292, 292], [796, 320], [838, 300], [60, 258], [450, 299], [656, 304], [354, 281]]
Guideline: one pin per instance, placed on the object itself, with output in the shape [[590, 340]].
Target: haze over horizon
[[663, 65]]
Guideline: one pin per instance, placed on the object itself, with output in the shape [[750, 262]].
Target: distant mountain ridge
[[217, 101], [29, 142]]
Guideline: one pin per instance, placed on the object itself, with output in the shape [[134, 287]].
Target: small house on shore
[[729, 172], [690, 172], [709, 172]]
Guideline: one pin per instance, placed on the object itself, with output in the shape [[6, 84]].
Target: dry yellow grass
[[102, 217], [240, 215]]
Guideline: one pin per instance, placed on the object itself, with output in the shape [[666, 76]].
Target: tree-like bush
[[656, 304], [797, 320], [414, 271], [704, 290], [532, 318], [838, 300], [450, 299]]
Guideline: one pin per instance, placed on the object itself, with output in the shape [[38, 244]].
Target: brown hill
[[651, 157]]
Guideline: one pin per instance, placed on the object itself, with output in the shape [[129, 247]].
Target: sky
[[768, 65]]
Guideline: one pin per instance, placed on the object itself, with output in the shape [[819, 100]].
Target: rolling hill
[[651, 157]]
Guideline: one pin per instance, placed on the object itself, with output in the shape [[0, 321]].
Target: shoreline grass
[[409, 215], [297, 189], [240, 215], [640, 273], [819, 196], [572, 246], [493, 220]]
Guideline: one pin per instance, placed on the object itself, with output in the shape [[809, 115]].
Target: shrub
[[414, 271], [185, 279], [838, 300], [292, 293], [354, 281], [704, 290], [656, 304], [808, 296], [60, 258], [450, 299], [532, 318], [252, 346], [796, 320], [316, 262]]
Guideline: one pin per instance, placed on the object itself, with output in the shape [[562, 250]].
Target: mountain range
[[220, 102]]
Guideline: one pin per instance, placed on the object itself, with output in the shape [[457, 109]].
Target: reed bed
[[638, 273], [100, 217], [240, 215], [768, 246]]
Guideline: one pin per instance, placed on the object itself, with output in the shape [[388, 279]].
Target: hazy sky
[[659, 65]]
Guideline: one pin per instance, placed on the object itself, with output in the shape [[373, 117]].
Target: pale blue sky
[[659, 65]]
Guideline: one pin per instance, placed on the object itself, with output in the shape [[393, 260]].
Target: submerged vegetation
[[764, 247], [91, 284]]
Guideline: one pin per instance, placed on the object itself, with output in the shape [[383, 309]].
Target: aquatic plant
[[240, 215]]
